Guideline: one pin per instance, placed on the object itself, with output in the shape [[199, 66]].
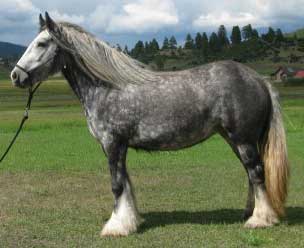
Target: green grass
[[55, 185], [4, 73]]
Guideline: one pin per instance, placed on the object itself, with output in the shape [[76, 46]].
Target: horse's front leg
[[125, 218]]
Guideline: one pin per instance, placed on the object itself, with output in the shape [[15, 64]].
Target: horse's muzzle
[[19, 77]]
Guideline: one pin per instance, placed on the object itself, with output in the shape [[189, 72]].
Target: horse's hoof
[[118, 226], [113, 233], [117, 230], [255, 222]]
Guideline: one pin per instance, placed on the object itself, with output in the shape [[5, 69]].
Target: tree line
[[243, 44]]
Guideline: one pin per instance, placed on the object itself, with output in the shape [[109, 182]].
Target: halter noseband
[[22, 69]]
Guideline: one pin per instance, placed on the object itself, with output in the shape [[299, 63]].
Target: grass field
[[55, 186]]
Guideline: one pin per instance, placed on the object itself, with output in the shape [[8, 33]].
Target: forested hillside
[[8, 50], [244, 44]]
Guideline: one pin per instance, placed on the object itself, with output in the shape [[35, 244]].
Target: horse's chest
[[93, 128], [104, 130], [96, 127]]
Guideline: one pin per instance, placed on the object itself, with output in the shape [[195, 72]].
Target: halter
[[21, 68], [35, 68]]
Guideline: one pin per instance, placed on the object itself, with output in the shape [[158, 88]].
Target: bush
[[160, 62]]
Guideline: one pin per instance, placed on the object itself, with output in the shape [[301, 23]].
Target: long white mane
[[101, 61]]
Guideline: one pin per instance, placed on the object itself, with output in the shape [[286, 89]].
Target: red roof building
[[282, 74], [299, 74]]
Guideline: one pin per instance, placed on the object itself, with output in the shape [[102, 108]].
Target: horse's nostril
[[14, 75]]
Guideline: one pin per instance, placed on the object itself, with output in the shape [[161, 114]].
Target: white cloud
[[15, 6], [259, 13], [17, 14], [140, 16], [228, 19], [99, 19], [281, 11], [19, 18], [77, 19]]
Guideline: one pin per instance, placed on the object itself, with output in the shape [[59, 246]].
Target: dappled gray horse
[[127, 105]]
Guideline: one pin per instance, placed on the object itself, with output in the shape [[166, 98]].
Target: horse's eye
[[41, 44]]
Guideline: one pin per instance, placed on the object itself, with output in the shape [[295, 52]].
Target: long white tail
[[274, 154]]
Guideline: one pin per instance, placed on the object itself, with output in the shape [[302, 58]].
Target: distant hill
[[299, 33], [8, 50]]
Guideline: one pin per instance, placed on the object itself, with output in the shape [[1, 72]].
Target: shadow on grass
[[219, 216], [295, 216]]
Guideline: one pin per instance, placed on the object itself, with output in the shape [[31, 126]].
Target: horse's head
[[41, 57]]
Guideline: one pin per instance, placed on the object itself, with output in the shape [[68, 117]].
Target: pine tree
[[165, 44], [279, 35], [255, 34], [271, 35], [205, 44], [214, 43], [247, 32], [236, 38], [147, 48], [222, 36], [138, 50], [198, 41], [189, 44], [154, 46], [172, 43]]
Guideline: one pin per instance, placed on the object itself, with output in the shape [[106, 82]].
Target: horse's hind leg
[[124, 219], [250, 201], [250, 198], [263, 213]]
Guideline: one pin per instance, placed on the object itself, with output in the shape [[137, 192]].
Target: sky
[[126, 21]]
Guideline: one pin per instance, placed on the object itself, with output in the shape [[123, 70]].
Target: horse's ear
[[51, 25], [41, 22]]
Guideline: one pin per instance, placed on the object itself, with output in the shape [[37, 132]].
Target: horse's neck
[[87, 92]]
